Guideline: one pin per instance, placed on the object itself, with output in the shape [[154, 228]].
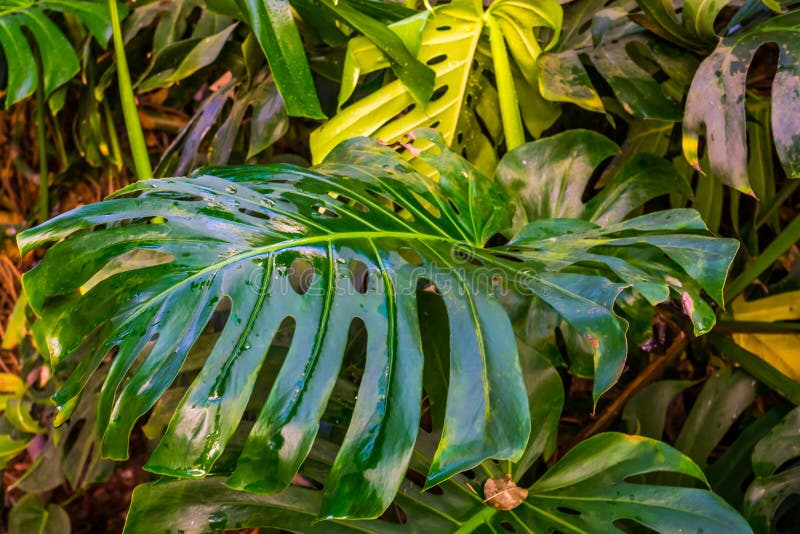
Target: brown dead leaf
[[502, 493]]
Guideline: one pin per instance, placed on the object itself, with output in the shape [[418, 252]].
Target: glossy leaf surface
[[142, 273], [586, 491], [590, 486]]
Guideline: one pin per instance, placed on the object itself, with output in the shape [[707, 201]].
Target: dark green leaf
[[723, 398], [548, 178], [779, 446], [588, 490], [29, 516], [275, 29], [58, 58], [169, 253]]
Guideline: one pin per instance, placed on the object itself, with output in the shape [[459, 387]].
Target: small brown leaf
[[503, 494]]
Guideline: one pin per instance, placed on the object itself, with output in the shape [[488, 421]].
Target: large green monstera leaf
[[59, 60], [129, 285]]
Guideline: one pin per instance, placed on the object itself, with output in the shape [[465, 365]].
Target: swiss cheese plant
[[128, 286]]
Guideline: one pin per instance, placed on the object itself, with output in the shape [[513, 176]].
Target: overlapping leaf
[[716, 101], [139, 275], [623, 55], [59, 60], [586, 491], [776, 478], [465, 99]]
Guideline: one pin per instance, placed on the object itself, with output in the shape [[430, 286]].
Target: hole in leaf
[[435, 333], [439, 93], [508, 527], [301, 275], [453, 207], [257, 214], [170, 195], [629, 525], [405, 111], [360, 275], [435, 124], [429, 207], [762, 69], [411, 256], [462, 254], [442, 28], [342, 401], [303, 481], [566, 510], [436, 59], [395, 515], [324, 211], [596, 178]]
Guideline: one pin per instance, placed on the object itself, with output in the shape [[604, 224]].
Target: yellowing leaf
[[11, 384], [778, 349]]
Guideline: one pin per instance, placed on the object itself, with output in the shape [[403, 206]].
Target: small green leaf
[[29, 516], [589, 489]]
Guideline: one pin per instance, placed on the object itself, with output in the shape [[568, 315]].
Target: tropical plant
[[437, 330], [353, 237]]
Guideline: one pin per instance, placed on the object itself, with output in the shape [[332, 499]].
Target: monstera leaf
[[136, 278], [469, 87], [717, 101], [586, 491], [59, 61]]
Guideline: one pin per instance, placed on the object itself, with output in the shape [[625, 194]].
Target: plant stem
[[476, 520], [509, 106], [141, 160], [777, 327], [116, 152], [41, 139], [788, 237], [779, 199]]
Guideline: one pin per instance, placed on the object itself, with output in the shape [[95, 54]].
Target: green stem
[[41, 138], [63, 159], [116, 152], [476, 520], [776, 202], [141, 160], [509, 105], [758, 326], [788, 237]]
